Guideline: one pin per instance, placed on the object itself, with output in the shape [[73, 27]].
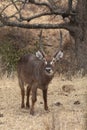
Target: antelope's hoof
[[47, 109], [32, 112], [27, 106], [22, 106]]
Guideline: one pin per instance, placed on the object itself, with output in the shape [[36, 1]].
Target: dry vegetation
[[23, 38], [66, 99]]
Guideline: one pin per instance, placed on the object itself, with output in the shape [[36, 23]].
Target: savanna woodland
[[69, 15], [63, 24]]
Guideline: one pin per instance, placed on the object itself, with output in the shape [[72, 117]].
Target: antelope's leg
[[22, 95], [21, 84], [34, 99], [28, 95], [45, 99]]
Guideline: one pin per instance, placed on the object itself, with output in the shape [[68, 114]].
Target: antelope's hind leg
[[28, 95], [21, 84]]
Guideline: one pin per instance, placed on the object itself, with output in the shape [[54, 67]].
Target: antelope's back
[[28, 68]]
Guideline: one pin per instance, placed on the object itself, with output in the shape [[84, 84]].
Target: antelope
[[36, 71]]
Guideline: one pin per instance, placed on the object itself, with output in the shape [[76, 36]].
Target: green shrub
[[10, 55]]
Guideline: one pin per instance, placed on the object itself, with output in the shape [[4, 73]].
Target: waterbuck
[[36, 71]]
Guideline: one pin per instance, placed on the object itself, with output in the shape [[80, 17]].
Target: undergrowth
[[10, 54]]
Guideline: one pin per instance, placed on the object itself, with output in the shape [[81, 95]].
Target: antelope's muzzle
[[49, 70]]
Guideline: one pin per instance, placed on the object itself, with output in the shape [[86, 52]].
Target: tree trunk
[[81, 35]]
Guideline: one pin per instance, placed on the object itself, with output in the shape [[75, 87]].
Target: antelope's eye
[[45, 62], [53, 61]]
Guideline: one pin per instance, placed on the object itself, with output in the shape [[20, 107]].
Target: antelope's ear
[[58, 55], [39, 55]]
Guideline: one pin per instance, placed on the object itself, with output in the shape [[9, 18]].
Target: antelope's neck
[[45, 79]]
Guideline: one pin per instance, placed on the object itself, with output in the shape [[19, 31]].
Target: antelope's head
[[49, 62]]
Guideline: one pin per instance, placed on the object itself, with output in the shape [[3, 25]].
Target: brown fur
[[31, 71]]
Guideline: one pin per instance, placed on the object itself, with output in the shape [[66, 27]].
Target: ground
[[67, 104], [66, 98]]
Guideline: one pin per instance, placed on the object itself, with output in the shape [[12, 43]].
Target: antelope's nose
[[48, 69]]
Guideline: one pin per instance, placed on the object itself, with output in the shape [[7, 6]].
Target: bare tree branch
[[69, 5], [42, 4], [5, 8], [45, 14], [15, 5], [35, 16], [66, 26], [19, 19], [52, 3]]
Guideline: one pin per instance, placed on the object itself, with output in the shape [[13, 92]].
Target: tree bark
[[81, 35]]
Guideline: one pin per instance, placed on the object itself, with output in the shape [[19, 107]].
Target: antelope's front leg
[[45, 99], [34, 99]]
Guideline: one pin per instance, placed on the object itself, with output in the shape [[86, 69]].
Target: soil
[[67, 108]]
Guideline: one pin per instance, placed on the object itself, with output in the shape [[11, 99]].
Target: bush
[[10, 55]]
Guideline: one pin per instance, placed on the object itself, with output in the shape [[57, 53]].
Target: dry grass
[[65, 113], [67, 108]]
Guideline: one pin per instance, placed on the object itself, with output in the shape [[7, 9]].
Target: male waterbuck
[[36, 71]]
